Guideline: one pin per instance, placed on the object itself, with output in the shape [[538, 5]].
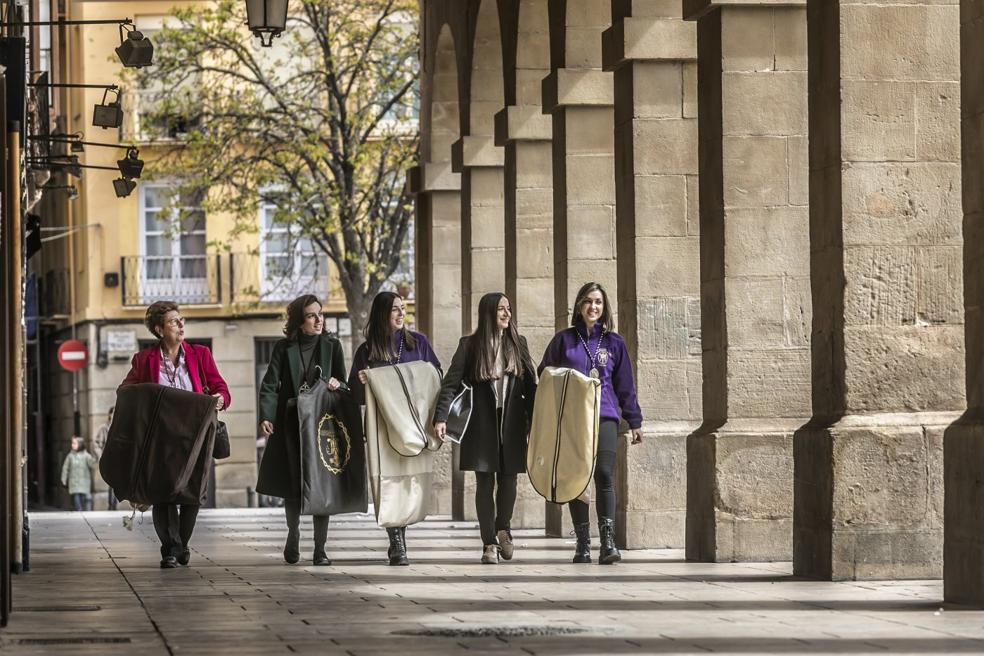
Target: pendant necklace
[[593, 373], [399, 354], [307, 370], [170, 370]]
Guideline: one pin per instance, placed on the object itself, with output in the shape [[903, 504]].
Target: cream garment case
[[564, 436], [400, 440]]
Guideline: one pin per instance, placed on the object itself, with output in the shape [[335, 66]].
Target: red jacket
[[146, 368]]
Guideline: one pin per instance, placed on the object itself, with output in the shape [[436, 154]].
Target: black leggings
[[603, 476], [494, 506]]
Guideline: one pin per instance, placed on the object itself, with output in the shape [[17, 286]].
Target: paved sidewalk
[[96, 588]]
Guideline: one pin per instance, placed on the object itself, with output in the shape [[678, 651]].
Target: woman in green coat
[[306, 354]]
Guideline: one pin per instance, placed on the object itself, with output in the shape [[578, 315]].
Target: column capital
[[694, 9], [522, 123], [648, 38], [432, 176], [574, 87], [472, 151]]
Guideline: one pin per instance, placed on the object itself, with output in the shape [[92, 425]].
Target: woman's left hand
[[219, 401], [333, 384], [636, 435]]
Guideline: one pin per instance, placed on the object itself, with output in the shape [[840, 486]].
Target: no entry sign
[[72, 355]]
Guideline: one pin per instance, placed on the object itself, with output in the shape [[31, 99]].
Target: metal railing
[[184, 279]]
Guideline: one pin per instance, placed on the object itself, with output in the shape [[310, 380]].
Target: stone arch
[[480, 163], [441, 118], [524, 132]]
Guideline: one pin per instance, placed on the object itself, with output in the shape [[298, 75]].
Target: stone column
[[480, 163], [885, 257], [963, 445], [437, 310], [578, 96], [755, 284], [524, 133], [653, 55]]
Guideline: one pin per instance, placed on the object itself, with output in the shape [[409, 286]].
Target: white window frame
[[192, 290], [298, 282]]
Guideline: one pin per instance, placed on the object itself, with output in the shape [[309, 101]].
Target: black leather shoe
[[169, 562], [398, 548], [321, 559], [609, 552], [582, 552], [184, 557], [292, 550]]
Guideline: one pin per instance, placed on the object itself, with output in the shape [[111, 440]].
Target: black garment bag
[[332, 452]]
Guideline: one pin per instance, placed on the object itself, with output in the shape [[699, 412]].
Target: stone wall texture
[[778, 199]]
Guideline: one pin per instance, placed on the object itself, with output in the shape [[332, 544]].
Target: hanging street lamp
[[266, 19]]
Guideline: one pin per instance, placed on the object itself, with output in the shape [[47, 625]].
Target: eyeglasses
[[176, 322]]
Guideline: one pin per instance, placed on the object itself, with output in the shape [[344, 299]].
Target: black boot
[[398, 547], [582, 552], [292, 548], [609, 552], [320, 537]]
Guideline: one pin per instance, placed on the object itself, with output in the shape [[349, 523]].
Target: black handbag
[[222, 448], [459, 414]]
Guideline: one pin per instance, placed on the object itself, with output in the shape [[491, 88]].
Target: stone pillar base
[[651, 490], [963, 537], [869, 498], [739, 492]]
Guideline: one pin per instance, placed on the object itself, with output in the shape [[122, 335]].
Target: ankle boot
[[609, 552], [292, 549], [320, 538], [582, 552], [398, 549]]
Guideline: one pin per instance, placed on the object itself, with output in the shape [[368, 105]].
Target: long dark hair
[[481, 355], [606, 313], [377, 329], [295, 315]]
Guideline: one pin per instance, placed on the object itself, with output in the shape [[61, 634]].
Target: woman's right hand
[[267, 427], [363, 378], [440, 428]]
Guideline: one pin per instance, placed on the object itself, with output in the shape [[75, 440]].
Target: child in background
[[77, 473]]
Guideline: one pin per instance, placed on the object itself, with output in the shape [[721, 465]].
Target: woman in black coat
[[306, 354], [495, 361]]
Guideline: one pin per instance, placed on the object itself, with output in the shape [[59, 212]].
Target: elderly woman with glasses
[[175, 363]]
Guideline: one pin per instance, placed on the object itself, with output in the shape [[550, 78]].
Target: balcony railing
[[184, 279], [276, 279]]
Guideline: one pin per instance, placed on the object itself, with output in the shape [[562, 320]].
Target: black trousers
[[292, 509], [495, 496], [604, 476], [174, 525]]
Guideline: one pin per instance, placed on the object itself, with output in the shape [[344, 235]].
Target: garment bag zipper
[[560, 414]]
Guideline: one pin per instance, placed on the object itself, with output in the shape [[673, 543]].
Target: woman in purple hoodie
[[592, 347]]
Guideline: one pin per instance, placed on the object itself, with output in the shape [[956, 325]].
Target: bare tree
[[322, 125]]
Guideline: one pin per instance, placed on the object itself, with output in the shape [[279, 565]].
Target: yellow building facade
[[119, 256]]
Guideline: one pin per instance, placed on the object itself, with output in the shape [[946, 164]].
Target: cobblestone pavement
[[96, 588]]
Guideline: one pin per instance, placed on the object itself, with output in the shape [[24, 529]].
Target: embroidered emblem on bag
[[334, 444]]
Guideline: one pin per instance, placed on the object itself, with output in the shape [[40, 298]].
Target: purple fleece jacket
[[421, 351], [617, 387]]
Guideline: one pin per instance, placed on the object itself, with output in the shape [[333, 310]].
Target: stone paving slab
[[96, 588]]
